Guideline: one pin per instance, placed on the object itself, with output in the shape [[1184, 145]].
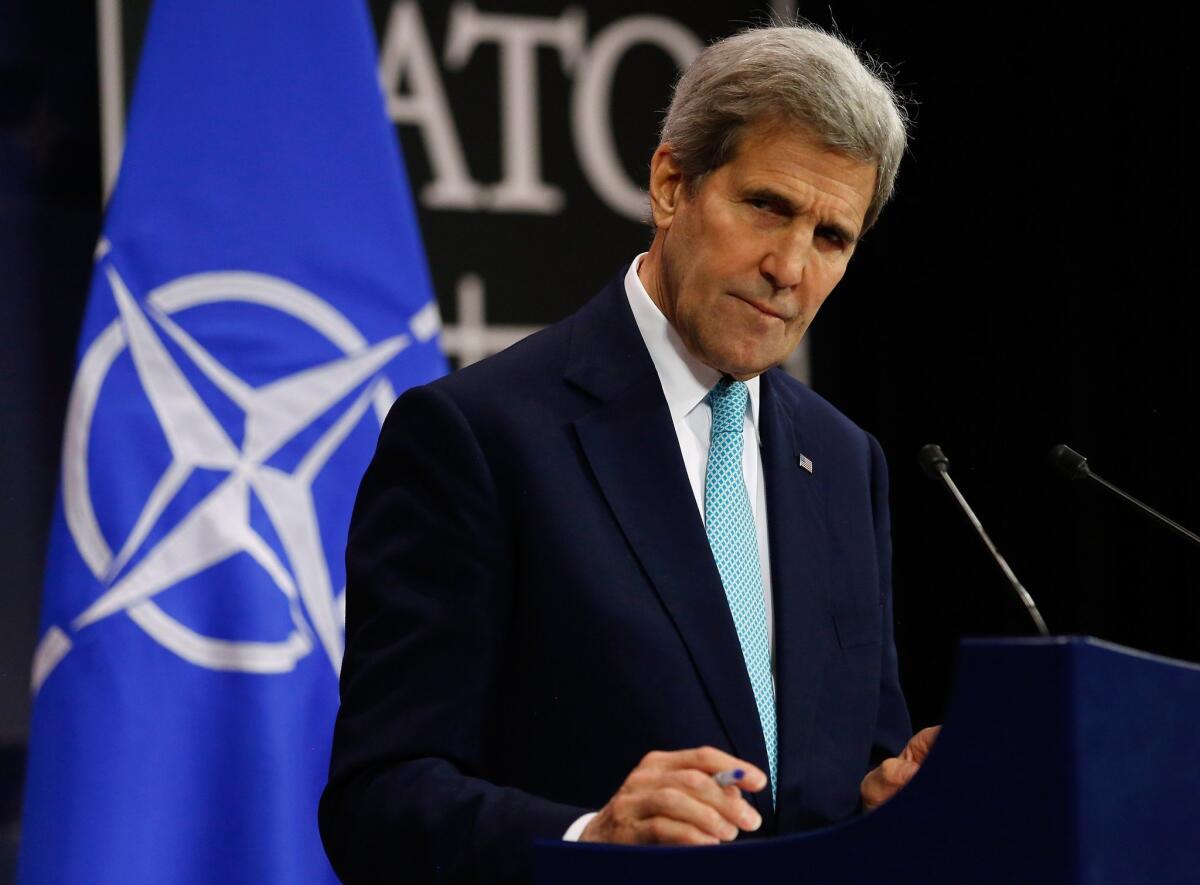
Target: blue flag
[[259, 298]]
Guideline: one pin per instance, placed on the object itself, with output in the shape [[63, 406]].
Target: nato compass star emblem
[[316, 405]]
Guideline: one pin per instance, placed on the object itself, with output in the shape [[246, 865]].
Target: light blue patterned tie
[[729, 522]]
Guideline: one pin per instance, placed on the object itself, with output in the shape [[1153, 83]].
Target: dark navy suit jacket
[[533, 606]]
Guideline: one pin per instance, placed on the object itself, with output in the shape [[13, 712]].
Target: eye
[[770, 208], [831, 236]]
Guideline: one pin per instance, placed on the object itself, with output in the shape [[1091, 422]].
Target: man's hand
[[885, 781], [672, 799]]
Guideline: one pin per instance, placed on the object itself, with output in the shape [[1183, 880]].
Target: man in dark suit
[[628, 554]]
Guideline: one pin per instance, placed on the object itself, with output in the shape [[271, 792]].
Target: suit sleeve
[[893, 727], [429, 599]]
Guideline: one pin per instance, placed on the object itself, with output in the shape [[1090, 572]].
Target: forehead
[[791, 160]]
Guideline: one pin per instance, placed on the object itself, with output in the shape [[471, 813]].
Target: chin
[[743, 370], [752, 361], [740, 355]]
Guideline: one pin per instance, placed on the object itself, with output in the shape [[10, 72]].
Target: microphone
[[1073, 465], [937, 466]]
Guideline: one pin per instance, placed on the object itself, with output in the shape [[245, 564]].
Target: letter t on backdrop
[[260, 296]]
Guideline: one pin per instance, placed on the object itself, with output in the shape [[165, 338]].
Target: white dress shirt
[[685, 383]]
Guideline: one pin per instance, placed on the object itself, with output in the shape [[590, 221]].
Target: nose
[[784, 264]]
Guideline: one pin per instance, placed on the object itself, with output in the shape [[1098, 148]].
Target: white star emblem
[[219, 526]]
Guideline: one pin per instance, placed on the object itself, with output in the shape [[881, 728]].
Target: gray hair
[[791, 73]]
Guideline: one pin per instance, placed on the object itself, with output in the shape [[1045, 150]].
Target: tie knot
[[728, 403]]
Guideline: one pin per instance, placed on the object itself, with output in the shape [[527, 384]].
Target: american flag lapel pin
[[805, 462]]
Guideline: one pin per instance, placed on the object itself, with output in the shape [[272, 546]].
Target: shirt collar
[[685, 380]]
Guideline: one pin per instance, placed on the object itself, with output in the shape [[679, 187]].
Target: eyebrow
[[784, 204]]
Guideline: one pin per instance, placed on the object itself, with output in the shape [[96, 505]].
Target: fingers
[[676, 805], [665, 831], [690, 772], [672, 798], [920, 744], [884, 782], [710, 760], [727, 802], [898, 772]]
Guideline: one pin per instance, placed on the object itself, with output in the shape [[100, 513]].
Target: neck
[[650, 273]]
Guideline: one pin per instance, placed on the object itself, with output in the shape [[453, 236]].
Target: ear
[[666, 186]]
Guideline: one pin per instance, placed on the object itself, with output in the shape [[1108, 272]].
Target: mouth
[[765, 311]]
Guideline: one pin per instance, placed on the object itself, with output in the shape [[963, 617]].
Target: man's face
[[747, 260]]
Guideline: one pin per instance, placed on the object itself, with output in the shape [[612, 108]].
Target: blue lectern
[[1063, 760]]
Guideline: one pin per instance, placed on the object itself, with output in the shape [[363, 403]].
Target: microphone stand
[[937, 466]]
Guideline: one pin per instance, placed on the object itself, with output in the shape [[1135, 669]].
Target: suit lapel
[[631, 447], [800, 577]]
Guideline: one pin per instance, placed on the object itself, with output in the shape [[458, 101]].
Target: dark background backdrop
[[1034, 282]]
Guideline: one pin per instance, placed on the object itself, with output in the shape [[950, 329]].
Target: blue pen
[[728, 778]]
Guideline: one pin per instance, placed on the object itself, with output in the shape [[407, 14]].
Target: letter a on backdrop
[[259, 298]]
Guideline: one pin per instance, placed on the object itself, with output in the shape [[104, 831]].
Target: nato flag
[[260, 296]]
